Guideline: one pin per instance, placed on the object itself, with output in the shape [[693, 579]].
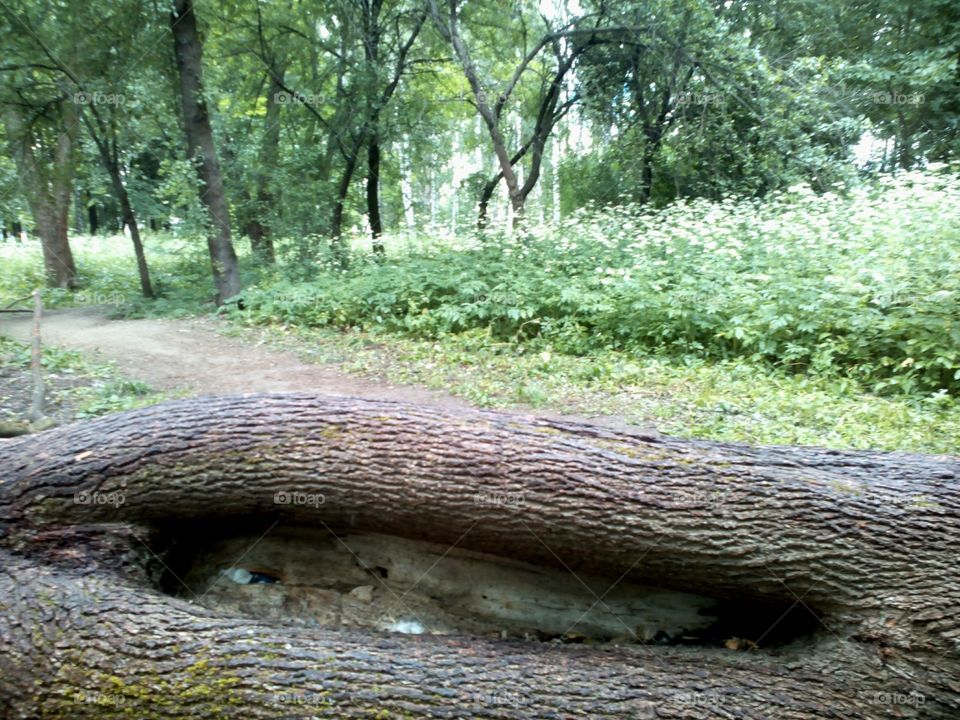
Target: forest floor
[[194, 356], [97, 363], [191, 356]]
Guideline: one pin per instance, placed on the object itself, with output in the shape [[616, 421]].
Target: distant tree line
[[320, 118]]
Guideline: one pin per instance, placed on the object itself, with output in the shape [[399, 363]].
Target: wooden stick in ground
[[36, 409]]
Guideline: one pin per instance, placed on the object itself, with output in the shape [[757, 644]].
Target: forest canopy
[[772, 181]]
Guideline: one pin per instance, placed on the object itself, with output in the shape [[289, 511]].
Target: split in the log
[[344, 579], [855, 553]]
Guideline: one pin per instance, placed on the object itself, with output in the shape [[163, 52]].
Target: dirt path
[[190, 355]]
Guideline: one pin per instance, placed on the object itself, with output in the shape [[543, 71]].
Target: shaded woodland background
[[771, 184]]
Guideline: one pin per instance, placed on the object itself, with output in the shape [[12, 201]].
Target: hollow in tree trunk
[[861, 544]]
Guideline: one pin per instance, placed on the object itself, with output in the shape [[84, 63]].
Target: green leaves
[[864, 285]]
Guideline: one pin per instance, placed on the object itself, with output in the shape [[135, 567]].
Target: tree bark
[[188, 50], [373, 192], [260, 234], [48, 183], [865, 540]]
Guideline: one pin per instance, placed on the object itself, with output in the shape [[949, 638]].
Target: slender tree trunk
[[490, 110], [130, 220], [513, 188], [371, 49], [450, 30], [201, 146], [646, 171], [261, 238], [486, 195], [343, 189], [92, 219], [373, 192], [863, 544], [109, 156]]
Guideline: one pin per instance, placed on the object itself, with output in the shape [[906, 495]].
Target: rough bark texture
[[47, 178], [866, 540], [105, 139], [257, 229], [188, 50]]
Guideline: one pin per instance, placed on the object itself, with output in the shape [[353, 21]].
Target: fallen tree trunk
[[865, 543]]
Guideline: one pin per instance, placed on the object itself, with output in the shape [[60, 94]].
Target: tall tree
[[201, 147], [564, 45], [101, 107], [104, 135], [345, 76], [41, 129], [42, 142], [381, 91]]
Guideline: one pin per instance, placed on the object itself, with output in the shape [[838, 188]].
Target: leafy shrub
[[863, 284]]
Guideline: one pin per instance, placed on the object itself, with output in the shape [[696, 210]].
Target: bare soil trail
[[191, 356]]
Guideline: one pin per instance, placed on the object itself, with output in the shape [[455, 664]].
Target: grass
[[731, 400], [77, 387], [831, 322]]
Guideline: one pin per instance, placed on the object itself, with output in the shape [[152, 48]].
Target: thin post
[[36, 410]]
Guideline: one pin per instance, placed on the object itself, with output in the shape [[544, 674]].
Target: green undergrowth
[[803, 318], [863, 285], [76, 386], [729, 400]]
